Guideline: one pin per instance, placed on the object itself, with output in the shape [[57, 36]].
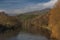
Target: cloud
[[3, 11], [33, 7]]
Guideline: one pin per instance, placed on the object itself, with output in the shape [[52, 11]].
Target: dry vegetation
[[54, 21]]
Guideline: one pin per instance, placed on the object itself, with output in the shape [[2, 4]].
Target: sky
[[22, 6]]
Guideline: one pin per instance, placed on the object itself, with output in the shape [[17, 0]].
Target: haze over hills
[[28, 13], [34, 13]]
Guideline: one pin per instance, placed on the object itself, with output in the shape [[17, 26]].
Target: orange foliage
[[54, 21]]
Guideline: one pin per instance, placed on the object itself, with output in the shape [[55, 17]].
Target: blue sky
[[20, 6], [13, 4]]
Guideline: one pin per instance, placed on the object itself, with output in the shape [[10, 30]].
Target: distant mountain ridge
[[37, 12]]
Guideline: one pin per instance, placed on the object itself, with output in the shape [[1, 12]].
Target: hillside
[[26, 18], [9, 25], [30, 15], [36, 23]]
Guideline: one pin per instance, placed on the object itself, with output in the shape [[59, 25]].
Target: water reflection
[[26, 36]]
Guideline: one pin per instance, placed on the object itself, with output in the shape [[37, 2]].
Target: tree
[[54, 21]]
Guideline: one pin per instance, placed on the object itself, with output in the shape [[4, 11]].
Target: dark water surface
[[27, 36]]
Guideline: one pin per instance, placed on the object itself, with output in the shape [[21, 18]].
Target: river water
[[27, 36]]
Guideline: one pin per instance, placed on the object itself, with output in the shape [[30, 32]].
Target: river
[[27, 36]]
